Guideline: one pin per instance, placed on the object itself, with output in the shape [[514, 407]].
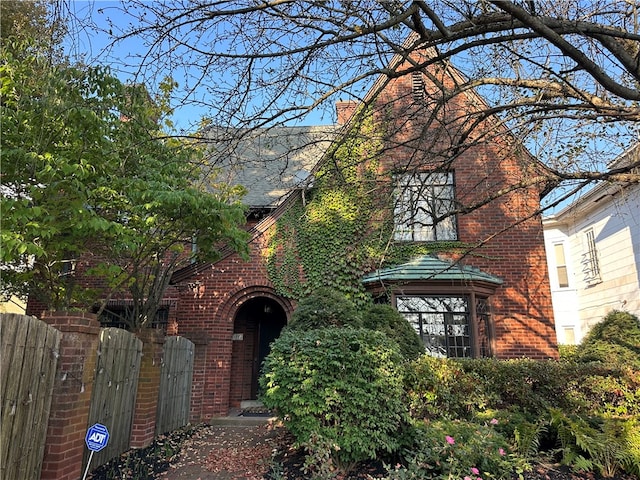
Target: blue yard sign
[[97, 437]]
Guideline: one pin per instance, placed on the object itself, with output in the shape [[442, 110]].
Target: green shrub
[[447, 449], [602, 390], [614, 341], [386, 319], [465, 388], [531, 386], [608, 444], [339, 392], [439, 387], [325, 308]]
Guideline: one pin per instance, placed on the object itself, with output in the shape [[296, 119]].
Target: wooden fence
[[175, 384], [32, 374], [114, 390], [28, 366]]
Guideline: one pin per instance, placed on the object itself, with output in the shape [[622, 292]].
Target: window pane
[[590, 265], [422, 204], [561, 265], [569, 336], [442, 323]]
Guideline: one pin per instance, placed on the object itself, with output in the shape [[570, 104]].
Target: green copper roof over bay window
[[429, 267]]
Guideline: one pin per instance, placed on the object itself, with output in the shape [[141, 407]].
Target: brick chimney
[[345, 111]]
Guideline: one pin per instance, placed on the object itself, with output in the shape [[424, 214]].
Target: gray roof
[[429, 267], [269, 163]]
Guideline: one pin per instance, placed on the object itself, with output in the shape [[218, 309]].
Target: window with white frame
[[424, 202], [561, 265], [590, 264], [442, 322]]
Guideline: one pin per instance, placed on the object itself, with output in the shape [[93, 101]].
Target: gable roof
[[429, 267], [268, 162]]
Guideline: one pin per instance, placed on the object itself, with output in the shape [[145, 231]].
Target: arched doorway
[[257, 323]]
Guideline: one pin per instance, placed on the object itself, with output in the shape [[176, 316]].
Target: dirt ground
[[219, 452]]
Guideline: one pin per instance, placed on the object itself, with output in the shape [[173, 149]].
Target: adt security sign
[[97, 437]]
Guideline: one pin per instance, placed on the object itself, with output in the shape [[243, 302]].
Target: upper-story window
[[590, 264], [561, 265], [424, 203]]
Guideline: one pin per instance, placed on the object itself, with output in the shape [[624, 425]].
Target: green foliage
[[31, 22], [615, 340], [607, 443], [440, 388], [325, 307], [343, 227], [339, 392], [386, 319], [448, 449], [85, 171]]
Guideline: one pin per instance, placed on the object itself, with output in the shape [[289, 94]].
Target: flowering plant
[[448, 449]]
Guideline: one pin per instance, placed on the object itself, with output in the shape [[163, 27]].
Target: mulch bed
[[253, 453]]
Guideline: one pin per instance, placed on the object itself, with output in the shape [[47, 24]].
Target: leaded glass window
[[442, 322]]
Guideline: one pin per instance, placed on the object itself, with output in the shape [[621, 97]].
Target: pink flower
[[475, 471], [450, 440], [494, 421], [468, 478], [501, 452]]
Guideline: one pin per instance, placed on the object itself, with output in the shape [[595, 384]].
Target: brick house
[[492, 299], [482, 290]]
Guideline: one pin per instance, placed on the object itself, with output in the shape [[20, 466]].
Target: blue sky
[[95, 46]]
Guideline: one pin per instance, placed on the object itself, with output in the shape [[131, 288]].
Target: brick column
[[71, 399], [143, 429]]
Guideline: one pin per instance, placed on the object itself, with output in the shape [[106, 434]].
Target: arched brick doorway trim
[[258, 318]]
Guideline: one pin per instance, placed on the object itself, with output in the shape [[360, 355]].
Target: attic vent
[[417, 86]]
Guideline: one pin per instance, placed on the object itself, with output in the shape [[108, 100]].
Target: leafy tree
[[88, 179], [38, 21]]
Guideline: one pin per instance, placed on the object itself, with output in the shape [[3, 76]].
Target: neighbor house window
[[424, 203], [569, 336], [561, 265], [590, 265], [442, 322]]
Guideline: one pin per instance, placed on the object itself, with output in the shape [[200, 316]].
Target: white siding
[[614, 217], [565, 299]]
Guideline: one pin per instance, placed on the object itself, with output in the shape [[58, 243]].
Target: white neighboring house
[[593, 253]]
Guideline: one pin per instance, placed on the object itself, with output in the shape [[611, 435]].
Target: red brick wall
[[143, 429], [206, 313], [506, 232], [71, 399]]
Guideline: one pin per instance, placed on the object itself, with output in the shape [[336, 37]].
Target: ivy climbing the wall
[[343, 227]]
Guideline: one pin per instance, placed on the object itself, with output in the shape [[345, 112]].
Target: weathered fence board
[[28, 361], [114, 391], [174, 397]]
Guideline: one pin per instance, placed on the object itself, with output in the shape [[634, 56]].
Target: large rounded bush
[[386, 319], [325, 308], [615, 340], [338, 390]]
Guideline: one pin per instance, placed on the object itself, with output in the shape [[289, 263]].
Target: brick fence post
[[71, 401], [144, 417]]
